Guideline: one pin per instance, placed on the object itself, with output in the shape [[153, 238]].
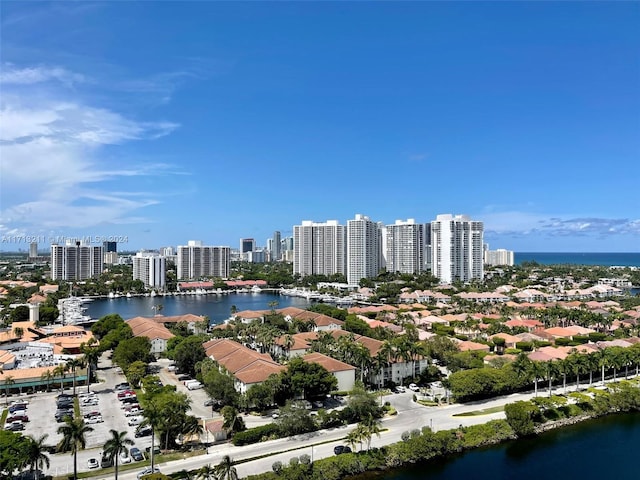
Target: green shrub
[[255, 435]]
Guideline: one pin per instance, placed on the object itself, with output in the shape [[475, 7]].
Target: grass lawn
[[485, 411]]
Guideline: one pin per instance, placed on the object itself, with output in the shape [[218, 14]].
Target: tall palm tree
[[36, 455], [73, 439], [153, 416], [116, 445], [91, 357], [225, 469], [371, 426]]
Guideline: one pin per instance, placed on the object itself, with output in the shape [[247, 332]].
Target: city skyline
[[159, 123]]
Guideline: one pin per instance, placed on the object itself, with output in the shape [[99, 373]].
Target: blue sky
[[163, 122]]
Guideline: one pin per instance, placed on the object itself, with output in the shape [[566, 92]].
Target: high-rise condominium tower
[[319, 248], [75, 261], [275, 246], [150, 268], [195, 261], [456, 248], [363, 249], [405, 247]]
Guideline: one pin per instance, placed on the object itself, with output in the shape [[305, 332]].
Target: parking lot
[[102, 411]]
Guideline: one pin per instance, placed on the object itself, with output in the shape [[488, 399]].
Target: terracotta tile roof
[[332, 365], [187, 318], [472, 346], [147, 327], [258, 372]]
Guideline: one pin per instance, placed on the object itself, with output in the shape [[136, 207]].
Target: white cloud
[[54, 168], [11, 75]]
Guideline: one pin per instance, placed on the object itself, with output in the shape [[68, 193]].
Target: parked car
[[18, 407], [133, 412], [413, 387], [94, 419], [129, 400], [14, 426], [17, 418], [143, 431], [93, 463], [94, 413], [136, 454], [133, 421], [400, 389], [124, 458], [339, 449], [106, 462], [123, 386], [156, 450], [148, 471]]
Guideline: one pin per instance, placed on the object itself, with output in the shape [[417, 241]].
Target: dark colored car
[[17, 406], [14, 427], [143, 432], [136, 454], [341, 449]]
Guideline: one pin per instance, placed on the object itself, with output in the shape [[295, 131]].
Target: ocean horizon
[[608, 259]]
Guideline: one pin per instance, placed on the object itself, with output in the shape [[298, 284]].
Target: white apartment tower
[[319, 248], [150, 268], [456, 248], [364, 244], [498, 257], [75, 261], [404, 247], [195, 260]]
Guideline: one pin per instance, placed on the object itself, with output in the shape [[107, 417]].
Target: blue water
[[216, 307], [578, 258], [597, 449]]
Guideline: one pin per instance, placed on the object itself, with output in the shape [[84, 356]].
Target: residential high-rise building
[[110, 246], [363, 249], [319, 248], [247, 245], [110, 258], [498, 257], [167, 251], [275, 246], [75, 261], [404, 247], [195, 260], [151, 269], [33, 249], [457, 248]]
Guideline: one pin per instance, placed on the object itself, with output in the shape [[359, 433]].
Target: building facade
[[319, 248], [276, 247], [498, 257], [457, 248], [404, 247], [364, 248], [151, 269], [75, 261], [195, 260]]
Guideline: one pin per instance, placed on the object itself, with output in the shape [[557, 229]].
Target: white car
[[124, 458], [94, 419], [93, 463], [133, 421], [148, 471], [400, 389], [413, 387], [134, 412]]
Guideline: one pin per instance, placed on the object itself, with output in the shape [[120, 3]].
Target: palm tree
[[207, 472], [287, 343], [116, 445], [537, 372], [552, 371], [73, 439], [72, 365], [91, 356], [153, 416], [59, 371], [8, 381], [36, 455], [47, 377], [371, 427], [225, 469], [354, 437]]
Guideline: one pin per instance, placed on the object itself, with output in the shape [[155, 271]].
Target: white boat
[[256, 289], [128, 295], [111, 295]]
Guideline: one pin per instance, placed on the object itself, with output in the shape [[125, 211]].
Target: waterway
[[216, 307], [596, 449]]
